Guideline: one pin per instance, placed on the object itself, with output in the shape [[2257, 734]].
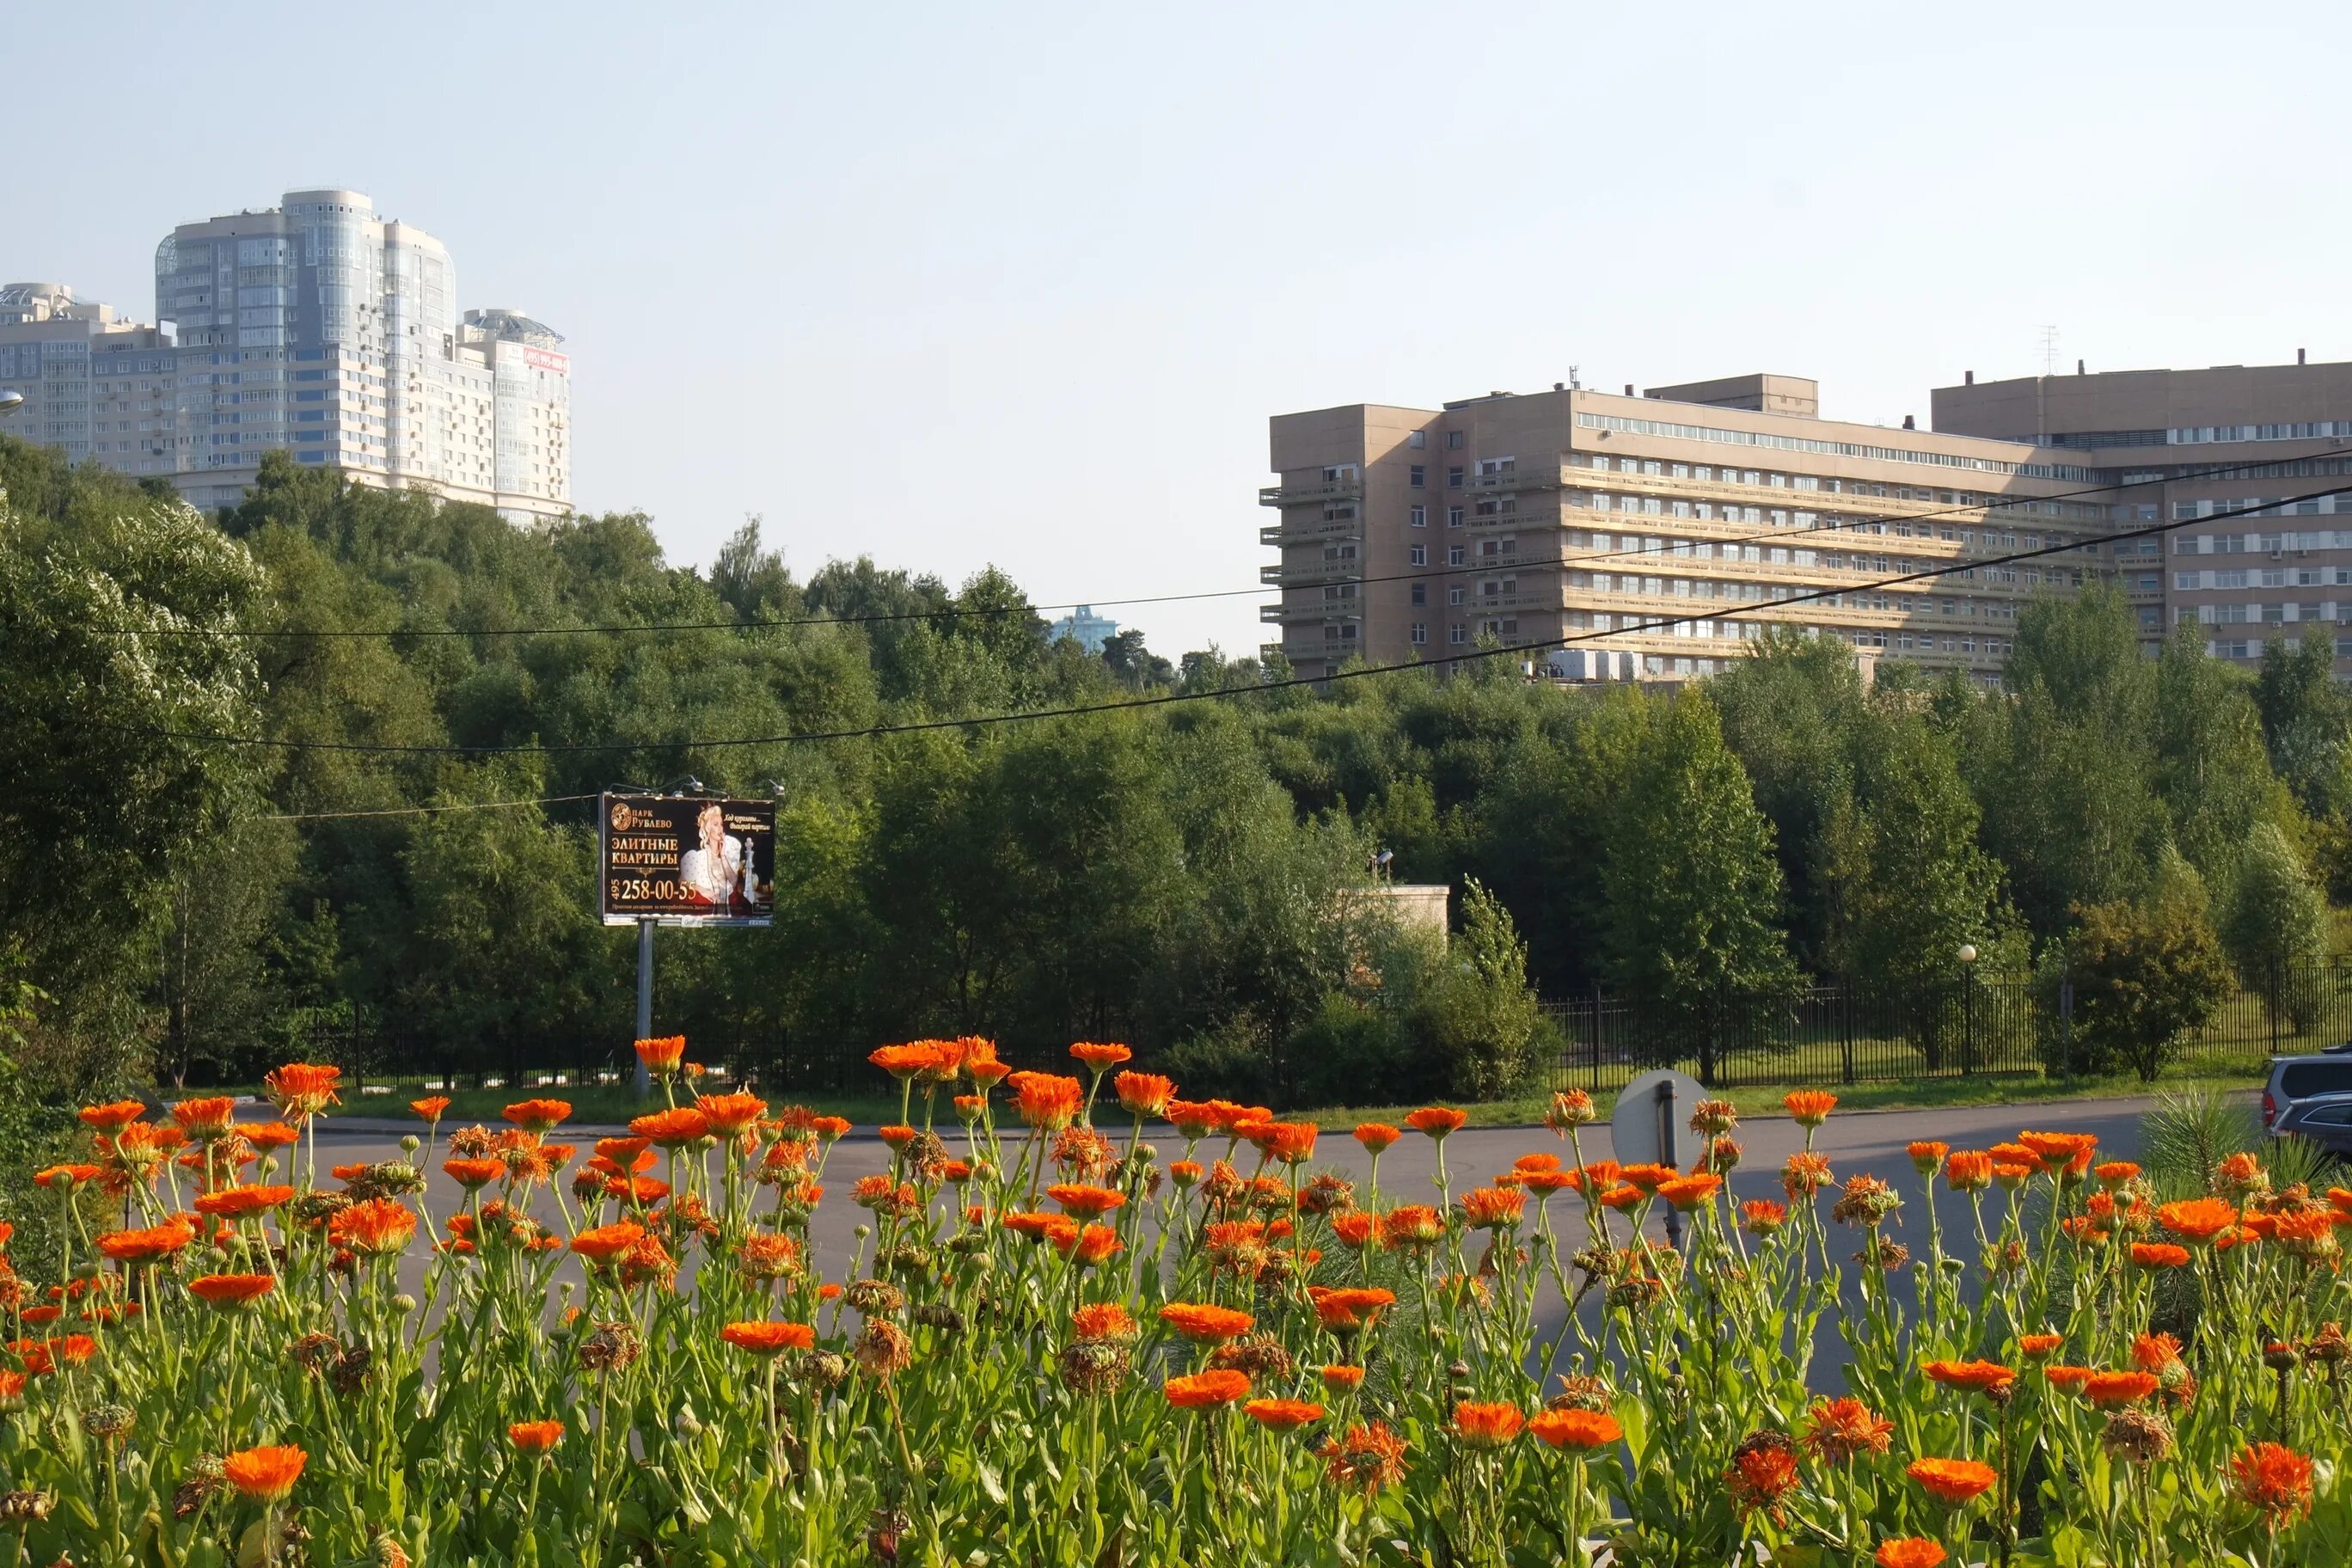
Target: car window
[[2327, 1116], [2301, 1081]]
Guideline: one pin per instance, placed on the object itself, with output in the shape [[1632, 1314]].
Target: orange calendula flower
[[1478, 1424], [1493, 1208], [1582, 1430], [763, 1338], [1196, 1118], [1908, 1552], [239, 1203], [377, 1226], [535, 1436], [663, 1055], [1762, 1216], [1806, 1172], [1090, 1246], [1365, 1458], [65, 1176], [206, 1118], [471, 1174], [1103, 1321], [1083, 1201], [1292, 1142], [2069, 1378], [1144, 1093], [1205, 1323], [2273, 1480], [2154, 1353], [1412, 1226], [1969, 1171], [2114, 1173], [1208, 1389], [430, 1107], [2058, 1149], [1047, 1102], [1376, 1136], [1981, 1376], [1437, 1121], [1809, 1106], [1845, 1429], [267, 1135], [672, 1128], [231, 1290], [1339, 1378], [2039, 1345], [265, 1474], [1926, 1156], [2112, 1390], [2197, 1219], [111, 1117], [1763, 1472], [903, 1062], [2159, 1255], [607, 1242], [148, 1244], [1690, 1193], [1350, 1309], [730, 1114], [1101, 1054], [1952, 1482], [304, 1090], [1281, 1415], [537, 1115]]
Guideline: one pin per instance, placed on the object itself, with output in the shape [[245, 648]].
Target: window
[[1453, 555], [1416, 439], [1420, 555], [1420, 632], [1418, 476], [1456, 596], [1453, 440], [1420, 591], [1453, 517], [1457, 633], [1454, 477], [1419, 516]]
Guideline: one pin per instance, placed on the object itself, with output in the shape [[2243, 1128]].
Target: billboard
[[686, 861]]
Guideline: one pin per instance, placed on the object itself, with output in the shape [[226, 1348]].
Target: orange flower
[[2109, 1390], [430, 1107], [1487, 1425], [1969, 1171], [1437, 1121], [265, 1474], [304, 1090], [1844, 1429], [1088, 1248], [1281, 1415], [1206, 1325], [1580, 1429], [1493, 1208], [1101, 1054], [1979, 1375], [1196, 1118], [1688, 1193], [607, 1242], [378, 1227], [1927, 1155], [1345, 1310], [1292, 1142], [231, 1290], [1339, 1378], [767, 1338], [238, 1202], [537, 1115], [2038, 1345], [662, 1055], [2273, 1480], [730, 1114], [1952, 1482], [146, 1246], [1763, 1472], [1762, 1216], [2070, 1378], [111, 1117], [2114, 1173], [2159, 1255], [1206, 1390], [1907, 1551], [1806, 1172], [1047, 1102], [1809, 1106], [65, 1176], [471, 1174], [267, 1134], [2197, 1219], [1144, 1093], [1103, 1321], [1366, 1459], [2059, 1151], [206, 1119], [1412, 1226], [535, 1436], [1084, 1201], [1376, 1136], [672, 1128], [903, 1062]]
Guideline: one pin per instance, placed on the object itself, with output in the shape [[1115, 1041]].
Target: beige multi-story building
[[2184, 444], [1659, 531], [88, 376]]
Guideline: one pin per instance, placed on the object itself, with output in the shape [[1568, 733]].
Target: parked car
[[2325, 1120], [2295, 1079]]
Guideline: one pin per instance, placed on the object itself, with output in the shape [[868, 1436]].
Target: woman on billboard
[[717, 872]]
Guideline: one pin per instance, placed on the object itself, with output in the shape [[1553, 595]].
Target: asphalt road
[[1856, 1142]]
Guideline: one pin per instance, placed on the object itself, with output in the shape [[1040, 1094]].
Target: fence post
[[2067, 1025], [1596, 1036], [1845, 1024], [1968, 1017]]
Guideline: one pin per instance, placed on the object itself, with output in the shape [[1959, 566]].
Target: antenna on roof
[[2049, 351]]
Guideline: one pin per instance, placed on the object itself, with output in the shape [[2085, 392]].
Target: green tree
[[2305, 718], [1479, 1015], [2145, 972], [2274, 924], [2212, 771]]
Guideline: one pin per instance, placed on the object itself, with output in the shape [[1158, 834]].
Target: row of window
[[2260, 543], [2261, 613], [2308, 430], [2268, 577], [1830, 448], [2189, 510]]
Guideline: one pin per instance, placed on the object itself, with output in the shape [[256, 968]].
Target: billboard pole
[[645, 999]]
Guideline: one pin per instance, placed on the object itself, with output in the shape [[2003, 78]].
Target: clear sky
[[1020, 284]]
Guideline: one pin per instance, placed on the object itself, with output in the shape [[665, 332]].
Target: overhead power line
[[1424, 575], [1171, 698], [421, 810]]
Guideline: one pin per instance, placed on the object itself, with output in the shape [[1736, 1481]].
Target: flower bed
[[1052, 1346]]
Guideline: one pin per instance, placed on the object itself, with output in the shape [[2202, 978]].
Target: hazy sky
[[950, 286]]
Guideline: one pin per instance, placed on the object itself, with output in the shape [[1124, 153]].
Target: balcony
[[1293, 572], [1306, 610], [1537, 478], [1308, 531], [1317, 489]]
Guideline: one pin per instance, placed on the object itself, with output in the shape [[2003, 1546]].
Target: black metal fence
[[393, 1059], [1863, 1032]]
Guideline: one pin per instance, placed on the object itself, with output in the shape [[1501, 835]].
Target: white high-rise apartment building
[[88, 376], [321, 330]]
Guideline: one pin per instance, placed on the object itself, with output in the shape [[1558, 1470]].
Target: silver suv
[[2295, 1079]]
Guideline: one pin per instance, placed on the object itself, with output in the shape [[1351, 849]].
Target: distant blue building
[[1086, 628]]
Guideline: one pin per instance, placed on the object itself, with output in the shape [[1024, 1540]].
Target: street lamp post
[[1968, 956]]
